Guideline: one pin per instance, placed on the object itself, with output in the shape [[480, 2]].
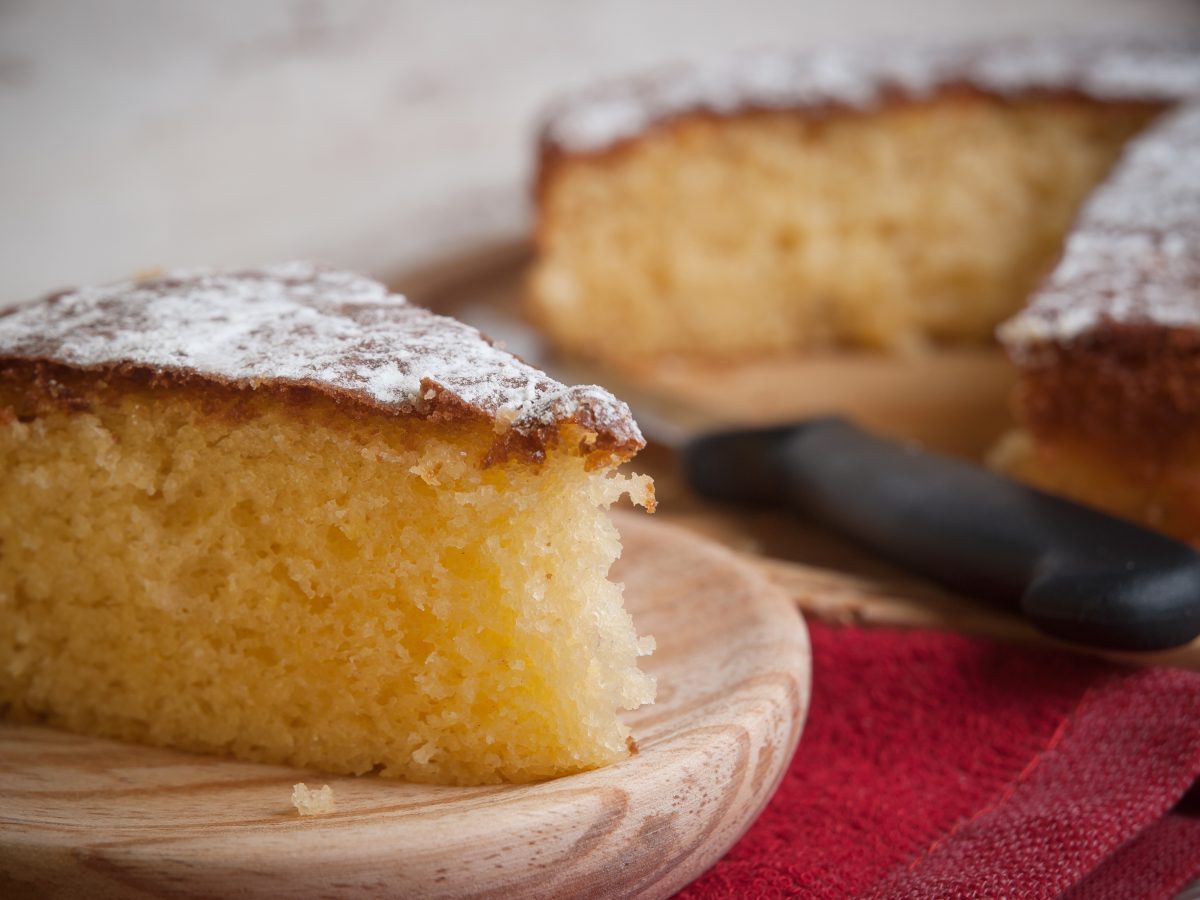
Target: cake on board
[[907, 199], [285, 515]]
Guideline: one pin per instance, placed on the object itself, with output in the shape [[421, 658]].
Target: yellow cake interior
[[219, 570], [769, 232]]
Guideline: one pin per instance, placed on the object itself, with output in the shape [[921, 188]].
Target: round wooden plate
[[87, 817]]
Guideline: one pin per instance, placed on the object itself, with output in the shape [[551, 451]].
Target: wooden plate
[[82, 816]]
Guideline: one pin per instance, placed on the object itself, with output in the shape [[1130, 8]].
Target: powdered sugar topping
[[1134, 253], [298, 324], [863, 77]]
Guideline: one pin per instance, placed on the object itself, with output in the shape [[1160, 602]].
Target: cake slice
[[285, 515]]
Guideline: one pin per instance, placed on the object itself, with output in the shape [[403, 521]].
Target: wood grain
[[82, 816]]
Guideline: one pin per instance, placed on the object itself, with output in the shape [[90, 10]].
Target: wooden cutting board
[[88, 817]]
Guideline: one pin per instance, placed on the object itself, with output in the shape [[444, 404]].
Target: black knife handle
[[1073, 571]]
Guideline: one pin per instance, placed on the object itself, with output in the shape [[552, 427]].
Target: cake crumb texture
[[313, 803], [287, 579], [762, 232]]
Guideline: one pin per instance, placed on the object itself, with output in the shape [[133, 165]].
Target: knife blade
[[1074, 572]]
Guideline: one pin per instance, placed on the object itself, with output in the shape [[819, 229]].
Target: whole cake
[[285, 515], [901, 197]]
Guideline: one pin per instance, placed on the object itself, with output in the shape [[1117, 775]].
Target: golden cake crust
[[838, 80], [301, 332], [553, 154], [1132, 385]]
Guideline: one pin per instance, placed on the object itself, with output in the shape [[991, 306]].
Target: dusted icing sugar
[[298, 324], [863, 77], [1134, 253]]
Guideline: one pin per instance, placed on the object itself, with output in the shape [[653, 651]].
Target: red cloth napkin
[[935, 765]]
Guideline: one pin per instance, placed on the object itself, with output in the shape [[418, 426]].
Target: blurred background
[[385, 136]]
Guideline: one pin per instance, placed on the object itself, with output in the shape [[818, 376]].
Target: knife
[[1074, 572]]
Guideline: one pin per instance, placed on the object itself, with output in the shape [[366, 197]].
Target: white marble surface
[[376, 135]]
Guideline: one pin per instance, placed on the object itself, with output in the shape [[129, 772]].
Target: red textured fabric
[[935, 765], [1156, 863]]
